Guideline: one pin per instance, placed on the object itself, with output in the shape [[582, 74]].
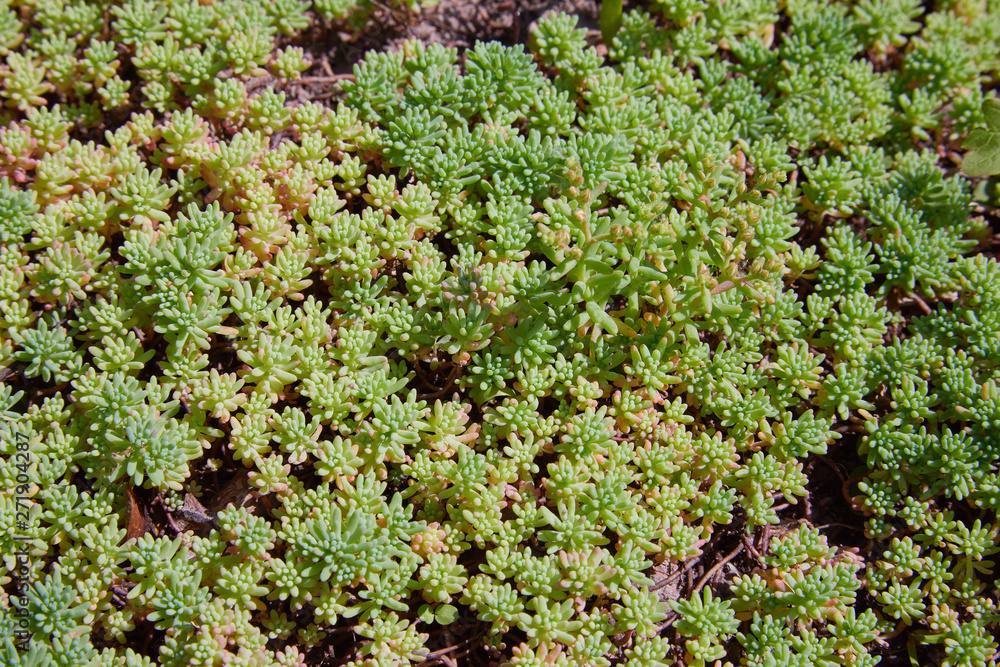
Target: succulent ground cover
[[681, 347]]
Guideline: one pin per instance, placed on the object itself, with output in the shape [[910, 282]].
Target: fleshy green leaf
[[611, 19], [983, 158]]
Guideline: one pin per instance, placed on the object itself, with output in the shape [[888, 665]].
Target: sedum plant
[[544, 355]]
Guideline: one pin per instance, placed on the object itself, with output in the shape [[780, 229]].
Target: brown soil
[[454, 23]]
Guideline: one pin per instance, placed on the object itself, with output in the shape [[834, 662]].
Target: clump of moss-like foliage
[[518, 351]]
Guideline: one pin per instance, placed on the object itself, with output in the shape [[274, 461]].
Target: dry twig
[[715, 568]]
